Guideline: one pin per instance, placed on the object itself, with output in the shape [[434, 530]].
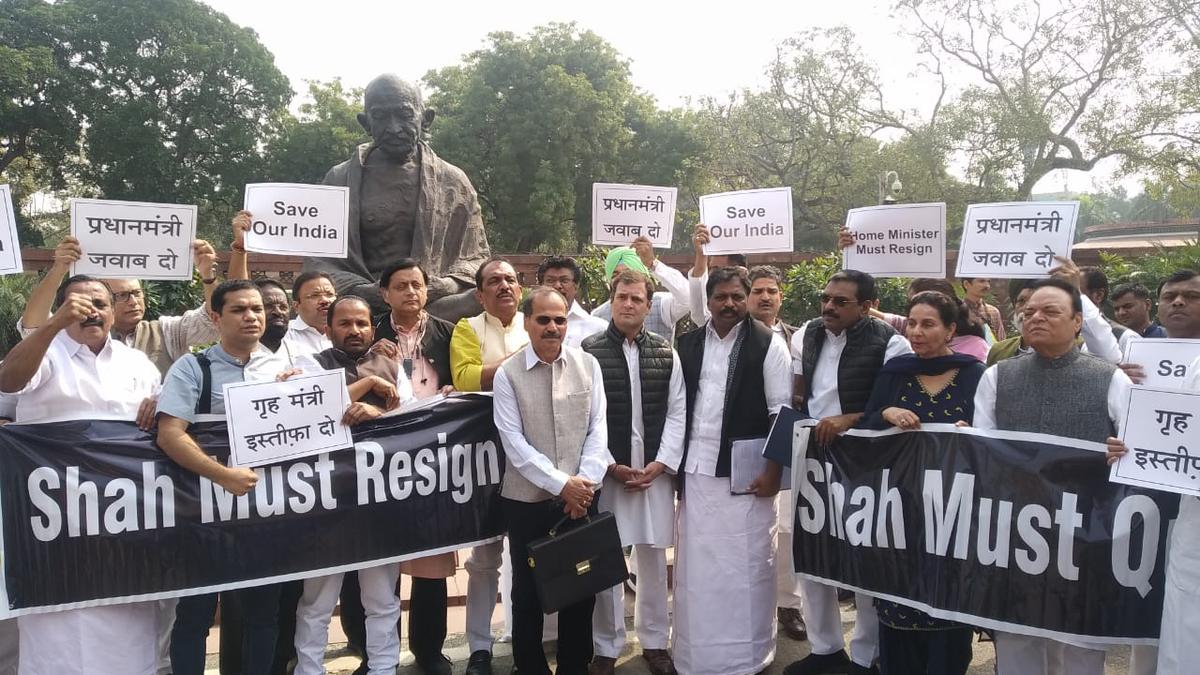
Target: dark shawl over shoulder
[[895, 373]]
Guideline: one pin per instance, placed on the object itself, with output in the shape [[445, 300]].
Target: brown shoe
[[602, 665], [659, 661], [792, 623]]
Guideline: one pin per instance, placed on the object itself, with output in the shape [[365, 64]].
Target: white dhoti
[[380, 603], [165, 610], [110, 639], [1178, 648], [1027, 655], [646, 521], [725, 580], [823, 621], [788, 586]]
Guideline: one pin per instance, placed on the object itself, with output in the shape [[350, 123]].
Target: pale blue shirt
[[181, 388]]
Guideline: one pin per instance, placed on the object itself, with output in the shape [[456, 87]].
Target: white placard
[[133, 240], [1167, 361], [10, 246], [749, 221], [1162, 432], [272, 421], [899, 240], [297, 219], [1015, 240], [621, 213]]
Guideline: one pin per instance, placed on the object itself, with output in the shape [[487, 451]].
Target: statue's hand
[[440, 287]]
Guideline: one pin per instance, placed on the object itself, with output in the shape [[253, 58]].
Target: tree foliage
[[303, 147]]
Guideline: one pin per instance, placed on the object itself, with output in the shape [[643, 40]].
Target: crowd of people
[[607, 410]]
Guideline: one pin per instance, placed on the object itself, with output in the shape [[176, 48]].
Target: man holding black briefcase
[[550, 412]]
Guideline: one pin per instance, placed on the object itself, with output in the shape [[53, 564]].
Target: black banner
[[94, 513], [1015, 532]]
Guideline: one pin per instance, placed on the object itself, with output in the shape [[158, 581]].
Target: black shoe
[[820, 664], [480, 663], [437, 664]]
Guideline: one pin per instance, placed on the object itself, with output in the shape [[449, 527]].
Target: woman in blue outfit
[[932, 385]]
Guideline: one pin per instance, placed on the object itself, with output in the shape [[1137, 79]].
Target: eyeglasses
[[545, 320], [125, 296], [319, 295], [836, 300]]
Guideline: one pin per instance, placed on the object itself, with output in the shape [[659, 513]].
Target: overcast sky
[[676, 51]]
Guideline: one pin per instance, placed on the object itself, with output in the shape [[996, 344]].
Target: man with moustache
[[563, 275], [478, 347], [376, 385], [736, 379], [1035, 388], [237, 310], [643, 383], [312, 293], [550, 414], [835, 359], [70, 368], [420, 343], [164, 339]]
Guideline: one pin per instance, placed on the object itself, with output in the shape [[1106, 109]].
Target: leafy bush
[[1150, 270], [14, 290], [172, 298], [804, 282]]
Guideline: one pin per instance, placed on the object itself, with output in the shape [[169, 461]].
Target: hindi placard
[[298, 219], [1015, 240], [748, 221], [10, 245], [899, 240], [621, 213], [133, 240], [1166, 361], [273, 421], [1162, 432]]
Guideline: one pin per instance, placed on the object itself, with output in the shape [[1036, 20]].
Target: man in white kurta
[[68, 369], [312, 294], [735, 379], [643, 381]]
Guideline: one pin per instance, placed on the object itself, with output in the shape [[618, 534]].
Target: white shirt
[[73, 383], [824, 401], [533, 465], [1098, 339], [708, 416], [581, 325], [647, 517], [985, 399], [302, 339], [672, 305]]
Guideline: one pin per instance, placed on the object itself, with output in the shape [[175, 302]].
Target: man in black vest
[[735, 379], [647, 410], [836, 358]]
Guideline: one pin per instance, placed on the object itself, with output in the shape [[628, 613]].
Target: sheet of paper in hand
[[898, 240], [298, 219], [1166, 361], [1015, 240], [1162, 432], [748, 221], [621, 213], [10, 247], [133, 240], [273, 421]]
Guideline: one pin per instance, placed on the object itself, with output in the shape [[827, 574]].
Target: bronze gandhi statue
[[406, 202]]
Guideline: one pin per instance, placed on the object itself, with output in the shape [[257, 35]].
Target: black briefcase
[[576, 561]]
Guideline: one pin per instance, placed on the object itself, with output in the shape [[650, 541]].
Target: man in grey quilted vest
[[1056, 390], [550, 412]]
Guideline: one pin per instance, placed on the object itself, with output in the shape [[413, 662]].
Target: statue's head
[[394, 115]]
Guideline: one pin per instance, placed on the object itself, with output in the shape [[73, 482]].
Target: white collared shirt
[[533, 465], [1117, 398], [824, 401], [709, 414], [73, 383], [670, 446], [302, 339], [672, 305], [581, 325]]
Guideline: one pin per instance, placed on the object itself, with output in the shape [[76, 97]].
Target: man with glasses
[[836, 358], [164, 339], [563, 275], [312, 294]]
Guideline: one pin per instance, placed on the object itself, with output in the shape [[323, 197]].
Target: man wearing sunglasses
[[836, 358], [550, 413]]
